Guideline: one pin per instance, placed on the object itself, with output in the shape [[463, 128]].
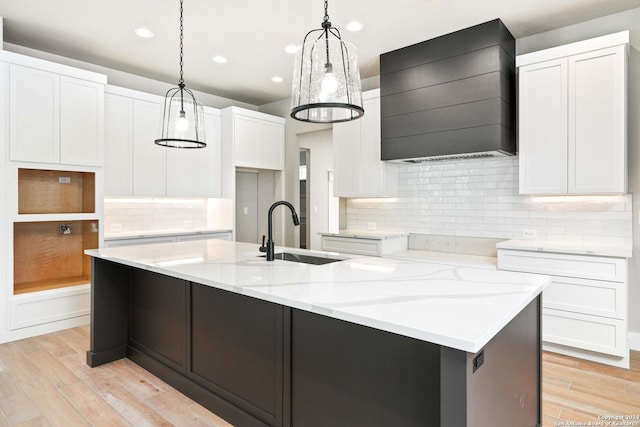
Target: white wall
[[321, 162]]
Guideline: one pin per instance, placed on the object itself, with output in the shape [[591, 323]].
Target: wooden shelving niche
[[49, 254]]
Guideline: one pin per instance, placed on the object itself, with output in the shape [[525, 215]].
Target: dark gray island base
[[257, 363]]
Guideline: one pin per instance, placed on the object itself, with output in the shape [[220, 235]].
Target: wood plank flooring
[[580, 391], [44, 381]]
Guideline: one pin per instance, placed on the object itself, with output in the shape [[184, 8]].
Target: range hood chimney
[[450, 97]]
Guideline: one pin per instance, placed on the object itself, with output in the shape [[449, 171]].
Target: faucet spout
[[270, 243]]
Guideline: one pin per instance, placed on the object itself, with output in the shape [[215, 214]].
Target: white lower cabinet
[[363, 245], [585, 307], [46, 307]]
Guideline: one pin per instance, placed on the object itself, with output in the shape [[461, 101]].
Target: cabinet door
[[81, 122], [597, 123], [210, 165], [270, 145], [158, 317], [371, 179], [543, 128], [34, 115], [245, 141], [196, 172], [149, 159], [346, 141], [237, 350], [118, 136]]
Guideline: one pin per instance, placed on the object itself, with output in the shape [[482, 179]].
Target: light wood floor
[[44, 381]]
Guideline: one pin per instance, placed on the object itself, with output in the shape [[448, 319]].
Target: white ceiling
[[252, 34]]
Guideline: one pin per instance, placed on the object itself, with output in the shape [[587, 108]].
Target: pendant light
[[182, 117], [326, 78]]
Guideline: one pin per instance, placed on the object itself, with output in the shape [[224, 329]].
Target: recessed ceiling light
[[292, 48], [276, 79], [354, 26], [145, 33], [219, 59]]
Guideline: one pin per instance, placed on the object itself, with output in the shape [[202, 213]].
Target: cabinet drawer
[[584, 266], [37, 308], [585, 296], [586, 332], [352, 245]]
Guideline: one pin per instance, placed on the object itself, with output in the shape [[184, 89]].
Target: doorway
[[255, 192], [304, 197], [317, 200], [247, 207]]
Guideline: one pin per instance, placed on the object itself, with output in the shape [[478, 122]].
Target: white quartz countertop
[[454, 306], [162, 233], [579, 248], [366, 234]]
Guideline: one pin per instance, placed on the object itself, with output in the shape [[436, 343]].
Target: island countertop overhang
[[454, 306]]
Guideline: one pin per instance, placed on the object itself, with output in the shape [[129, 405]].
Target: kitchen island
[[362, 341]]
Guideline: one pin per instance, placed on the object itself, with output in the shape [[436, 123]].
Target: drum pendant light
[[182, 117], [326, 78]]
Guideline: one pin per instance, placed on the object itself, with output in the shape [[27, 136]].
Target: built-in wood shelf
[[46, 259], [53, 191]]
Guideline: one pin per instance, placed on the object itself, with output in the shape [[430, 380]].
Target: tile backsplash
[[139, 214], [479, 198]]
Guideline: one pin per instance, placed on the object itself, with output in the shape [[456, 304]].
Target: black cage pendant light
[[326, 78], [182, 117]]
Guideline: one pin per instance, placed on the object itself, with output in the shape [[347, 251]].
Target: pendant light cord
[[181, 81], [326, 25], [326, 12]]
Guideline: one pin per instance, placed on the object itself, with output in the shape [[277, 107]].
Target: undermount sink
[[306, 259]]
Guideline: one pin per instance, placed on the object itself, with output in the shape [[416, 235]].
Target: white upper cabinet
[[149, 159], [597, 121], [135, 165], [34, 115], [543, 128], [572, 118], [196, 172], [257, 138], [357, 168], [81, 122], [118, 145], [56, 113]]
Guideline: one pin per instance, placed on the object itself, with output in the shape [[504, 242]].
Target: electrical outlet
[[371, 226], [116, 227], [529, 233]]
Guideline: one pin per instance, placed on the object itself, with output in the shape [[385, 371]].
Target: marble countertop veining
[[578, 248], [455, 306]]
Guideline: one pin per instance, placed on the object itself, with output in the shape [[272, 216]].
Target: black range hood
[[450, 97]]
